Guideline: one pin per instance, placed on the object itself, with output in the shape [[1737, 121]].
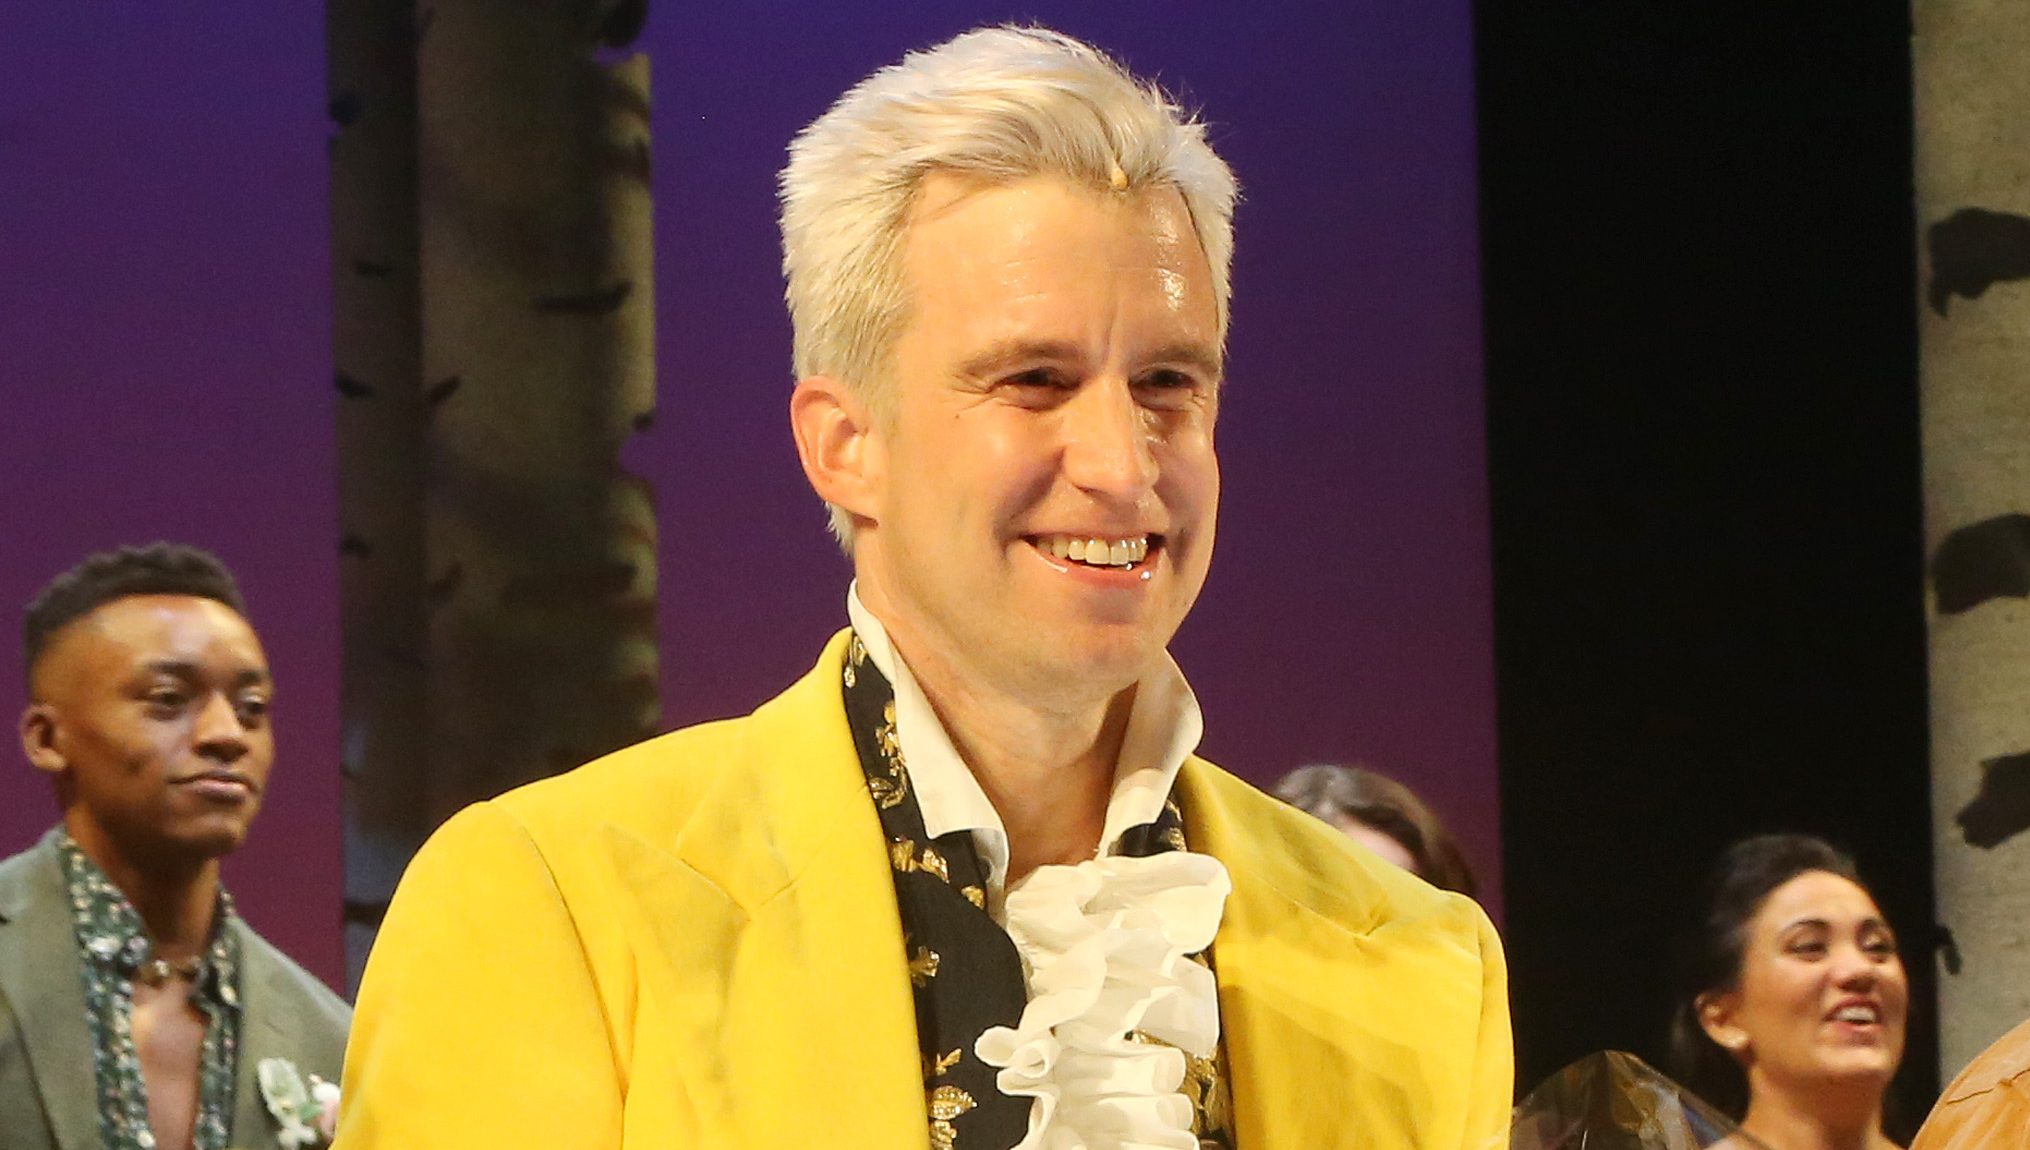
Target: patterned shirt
[[114, 944]]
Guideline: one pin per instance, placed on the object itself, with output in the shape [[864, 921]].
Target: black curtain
[[1703, 451]]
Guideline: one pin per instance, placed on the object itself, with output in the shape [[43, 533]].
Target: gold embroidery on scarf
[[891, 744], [946, 1103], [1210, 1106], [1173, 836], [855, 655], [923, 965], [975, 895], [935, 1067], [907, 858], [1205, 1087], [892, 787]]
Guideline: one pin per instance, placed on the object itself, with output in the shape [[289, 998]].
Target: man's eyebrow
[[182, 668], [1198, 355], [1005, 353], [185, 669]]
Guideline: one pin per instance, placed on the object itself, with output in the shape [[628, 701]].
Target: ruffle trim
[[1106, 948]]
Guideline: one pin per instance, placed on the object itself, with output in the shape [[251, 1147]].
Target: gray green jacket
[[46, 1078]]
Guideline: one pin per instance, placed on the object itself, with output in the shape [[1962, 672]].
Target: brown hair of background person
[[1788, 943], [1340, 795]]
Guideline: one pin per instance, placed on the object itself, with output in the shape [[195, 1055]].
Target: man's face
[[1043, 482], [153, 713]]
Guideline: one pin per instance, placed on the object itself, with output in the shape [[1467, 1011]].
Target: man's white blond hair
[[993, 104]]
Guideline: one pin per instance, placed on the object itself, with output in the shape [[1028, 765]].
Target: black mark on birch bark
[[1982, 561], [1974, 249], [2002, 810]]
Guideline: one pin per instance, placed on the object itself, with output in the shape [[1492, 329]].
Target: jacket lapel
[[40, 975], [262, 985], [1309, 1055], [789, 919]]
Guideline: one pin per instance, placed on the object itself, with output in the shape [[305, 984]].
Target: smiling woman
[[1794, 999]]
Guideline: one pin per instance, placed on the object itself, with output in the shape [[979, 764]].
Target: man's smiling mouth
[[1115, 552]]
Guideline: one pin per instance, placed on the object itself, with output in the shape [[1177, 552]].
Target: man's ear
[[836, 442], [39, 739], [1716, 1017]]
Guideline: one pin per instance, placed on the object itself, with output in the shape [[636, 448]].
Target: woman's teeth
[[1096, 552]]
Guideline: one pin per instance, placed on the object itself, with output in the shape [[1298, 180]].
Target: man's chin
[[1094, 663], [210, 839]]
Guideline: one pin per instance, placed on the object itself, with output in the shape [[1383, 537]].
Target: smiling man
[[135, 1006], [966, 882]]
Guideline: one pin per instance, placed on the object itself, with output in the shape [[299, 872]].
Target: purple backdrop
[[165, 353]]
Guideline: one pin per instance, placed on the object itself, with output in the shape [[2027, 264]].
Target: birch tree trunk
[[1973, 208], [538, 363], [377, 348], [492, 281]]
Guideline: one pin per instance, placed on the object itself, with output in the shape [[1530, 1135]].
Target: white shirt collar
[[1164, 726]]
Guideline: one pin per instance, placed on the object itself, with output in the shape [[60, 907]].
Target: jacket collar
[[795, 853], [40, 976]]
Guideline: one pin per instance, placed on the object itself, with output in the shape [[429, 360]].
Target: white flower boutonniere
[[308, 1112]]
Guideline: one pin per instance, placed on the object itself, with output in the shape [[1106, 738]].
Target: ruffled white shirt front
[[1105, 943]]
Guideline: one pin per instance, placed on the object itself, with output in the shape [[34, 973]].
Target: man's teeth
[[1855, 1014], [1097, 552]]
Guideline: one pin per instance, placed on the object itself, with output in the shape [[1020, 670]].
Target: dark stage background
[[165, 355], [1703, 447]]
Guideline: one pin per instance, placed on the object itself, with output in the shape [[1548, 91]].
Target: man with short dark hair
[[137, 1010]]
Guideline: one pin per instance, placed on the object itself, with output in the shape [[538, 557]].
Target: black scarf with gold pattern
[[965, 970]]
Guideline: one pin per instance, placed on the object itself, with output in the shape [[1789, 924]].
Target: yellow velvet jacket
[[694, 943]]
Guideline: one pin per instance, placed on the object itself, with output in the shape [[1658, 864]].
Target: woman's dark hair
[[1388, 806], [1710, 958]]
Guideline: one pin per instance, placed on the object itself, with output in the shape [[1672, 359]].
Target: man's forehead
[[1006, 255], [136, 628]]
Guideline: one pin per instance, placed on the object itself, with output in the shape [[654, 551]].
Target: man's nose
[[219, 733], [1107, 447]]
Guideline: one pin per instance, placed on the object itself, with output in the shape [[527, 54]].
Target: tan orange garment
[[1988, 1105]]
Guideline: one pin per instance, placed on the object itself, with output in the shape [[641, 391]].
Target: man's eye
[[1167, 388], [164, 699], [251, 709], [1035, 377], [1038, 388]]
